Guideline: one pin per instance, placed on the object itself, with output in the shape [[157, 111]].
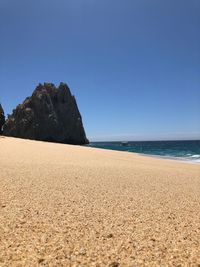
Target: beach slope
[[63, 205]]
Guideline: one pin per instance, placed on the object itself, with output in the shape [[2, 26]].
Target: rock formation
[[50, 114], [2, 118]]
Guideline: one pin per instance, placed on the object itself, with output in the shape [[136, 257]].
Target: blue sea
[[180, 150]]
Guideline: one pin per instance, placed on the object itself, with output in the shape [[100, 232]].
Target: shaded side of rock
[[50, 114], [2, 118]]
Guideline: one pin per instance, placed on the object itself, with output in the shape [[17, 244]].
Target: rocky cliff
[[50, 114], [2, 118]]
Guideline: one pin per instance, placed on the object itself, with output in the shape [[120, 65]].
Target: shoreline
[[179, 159]]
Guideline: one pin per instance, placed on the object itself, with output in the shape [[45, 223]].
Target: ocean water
[[180, 150]]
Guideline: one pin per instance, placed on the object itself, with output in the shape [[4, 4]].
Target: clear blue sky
[[133, 65]]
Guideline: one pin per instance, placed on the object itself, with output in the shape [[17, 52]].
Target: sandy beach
[[63, 205]]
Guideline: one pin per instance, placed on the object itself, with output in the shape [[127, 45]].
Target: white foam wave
[[195, 156], [190, 159]]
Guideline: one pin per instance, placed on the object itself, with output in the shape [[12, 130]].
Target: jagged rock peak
[[50, 114], [2, 118]]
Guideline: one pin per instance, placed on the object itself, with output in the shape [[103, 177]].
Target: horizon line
[[149, 140]]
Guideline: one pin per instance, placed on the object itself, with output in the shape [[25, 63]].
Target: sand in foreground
[[64, 205]]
